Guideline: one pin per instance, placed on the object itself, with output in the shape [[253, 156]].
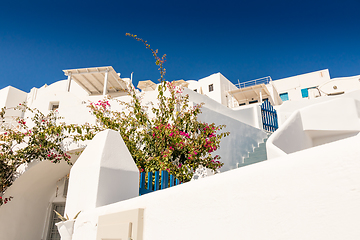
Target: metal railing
[[161, 181], [264, 80]]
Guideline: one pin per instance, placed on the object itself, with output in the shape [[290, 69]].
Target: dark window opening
[[54, 105], [211, 87]]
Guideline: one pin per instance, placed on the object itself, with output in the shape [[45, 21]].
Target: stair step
[[258, 155], [255, 159], [259, 150]]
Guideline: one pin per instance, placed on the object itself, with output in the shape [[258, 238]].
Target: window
[[53, 233], [54, 106], [66, 186], [195, 90], [284, 96], [304, 92], [253, 101], [211, 87]]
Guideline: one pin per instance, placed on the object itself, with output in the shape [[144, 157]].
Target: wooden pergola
[[247, 94], [96, 80]]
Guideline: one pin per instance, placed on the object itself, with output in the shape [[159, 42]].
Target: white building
[[308, 189]]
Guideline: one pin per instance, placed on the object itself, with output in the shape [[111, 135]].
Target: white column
[[105, 83], [68, 83], [260, 96]]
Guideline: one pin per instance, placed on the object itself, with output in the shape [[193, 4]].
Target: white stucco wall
[[242, 139], [226, 86], [285, 110], [11, 97], [194, 85], [220, 85], [274, 94], [3, 96], [293, 85], [25, 217], [315, 125], [104, 173], [248, 115], [243, 125], [311, 194], [72, 105], [343, 84]]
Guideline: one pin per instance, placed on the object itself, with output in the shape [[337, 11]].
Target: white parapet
[[310, 194], [316, 125], [105, 173]]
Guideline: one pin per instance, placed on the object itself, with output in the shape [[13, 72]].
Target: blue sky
[[243, 40]]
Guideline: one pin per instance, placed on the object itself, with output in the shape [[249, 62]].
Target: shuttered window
[[304, 92], [284, 96]]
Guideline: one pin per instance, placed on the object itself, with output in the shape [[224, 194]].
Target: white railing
[[12, 124], [264, 80]]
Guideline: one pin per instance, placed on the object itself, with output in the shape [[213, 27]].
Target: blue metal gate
[[269, 116]]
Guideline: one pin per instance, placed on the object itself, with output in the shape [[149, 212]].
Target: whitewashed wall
[[248, 115], [26, 216], [242, 139], [226, 86], [315, 125], [293, 85], [220, 85], [242, 125], [285, 110], [311, 194], [11, 97], [344, 84], [72, 105], [104, 173]]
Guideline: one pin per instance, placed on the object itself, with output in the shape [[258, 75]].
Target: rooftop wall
[[312, 194], [315, 125]]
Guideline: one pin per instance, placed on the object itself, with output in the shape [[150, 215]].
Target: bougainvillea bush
[[21, 144], [171, 139]]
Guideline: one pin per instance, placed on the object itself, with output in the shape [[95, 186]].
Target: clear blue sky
[[241, 39]]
